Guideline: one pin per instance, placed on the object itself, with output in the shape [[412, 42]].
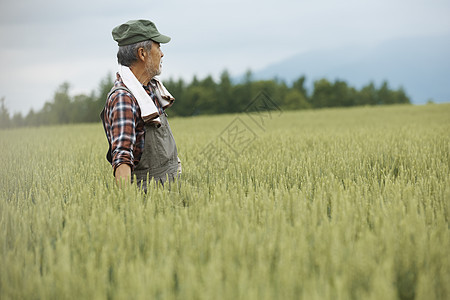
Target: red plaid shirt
[[124, 126]]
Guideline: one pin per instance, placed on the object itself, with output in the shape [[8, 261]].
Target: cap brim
[[161, 39]]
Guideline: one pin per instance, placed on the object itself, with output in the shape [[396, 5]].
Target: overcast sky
[[47, 42]]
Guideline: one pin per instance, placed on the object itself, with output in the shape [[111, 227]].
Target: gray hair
[[127, 55]]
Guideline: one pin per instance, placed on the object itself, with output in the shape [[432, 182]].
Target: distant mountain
[[420, 65]]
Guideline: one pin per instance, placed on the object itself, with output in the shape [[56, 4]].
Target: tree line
[[206, 96]]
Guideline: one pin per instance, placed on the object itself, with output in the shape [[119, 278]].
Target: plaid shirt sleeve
[[122, 115]]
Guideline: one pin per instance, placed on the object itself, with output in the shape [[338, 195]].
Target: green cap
[[136, 31]]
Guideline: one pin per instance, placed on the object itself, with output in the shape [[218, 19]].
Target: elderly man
[[141, 144]]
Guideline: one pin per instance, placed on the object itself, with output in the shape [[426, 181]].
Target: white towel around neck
[[164, 97], [149, 111]]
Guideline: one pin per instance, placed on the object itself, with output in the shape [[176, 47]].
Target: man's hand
[[123, 175]]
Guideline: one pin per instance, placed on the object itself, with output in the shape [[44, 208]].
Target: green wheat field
[[319, 204]]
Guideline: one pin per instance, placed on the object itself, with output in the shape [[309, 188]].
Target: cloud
[[47, 42]]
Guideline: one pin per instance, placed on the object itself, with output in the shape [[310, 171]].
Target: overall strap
[[115, 88]]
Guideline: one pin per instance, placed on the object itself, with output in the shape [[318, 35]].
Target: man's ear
[[142, 54]]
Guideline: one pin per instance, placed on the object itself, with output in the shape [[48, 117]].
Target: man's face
[[154, 63]]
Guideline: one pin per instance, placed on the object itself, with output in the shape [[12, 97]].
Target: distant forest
[[206, 96]]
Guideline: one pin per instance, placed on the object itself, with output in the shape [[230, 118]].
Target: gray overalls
[[159, 159]]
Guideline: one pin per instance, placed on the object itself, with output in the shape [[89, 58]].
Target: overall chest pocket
[[160, 146]]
